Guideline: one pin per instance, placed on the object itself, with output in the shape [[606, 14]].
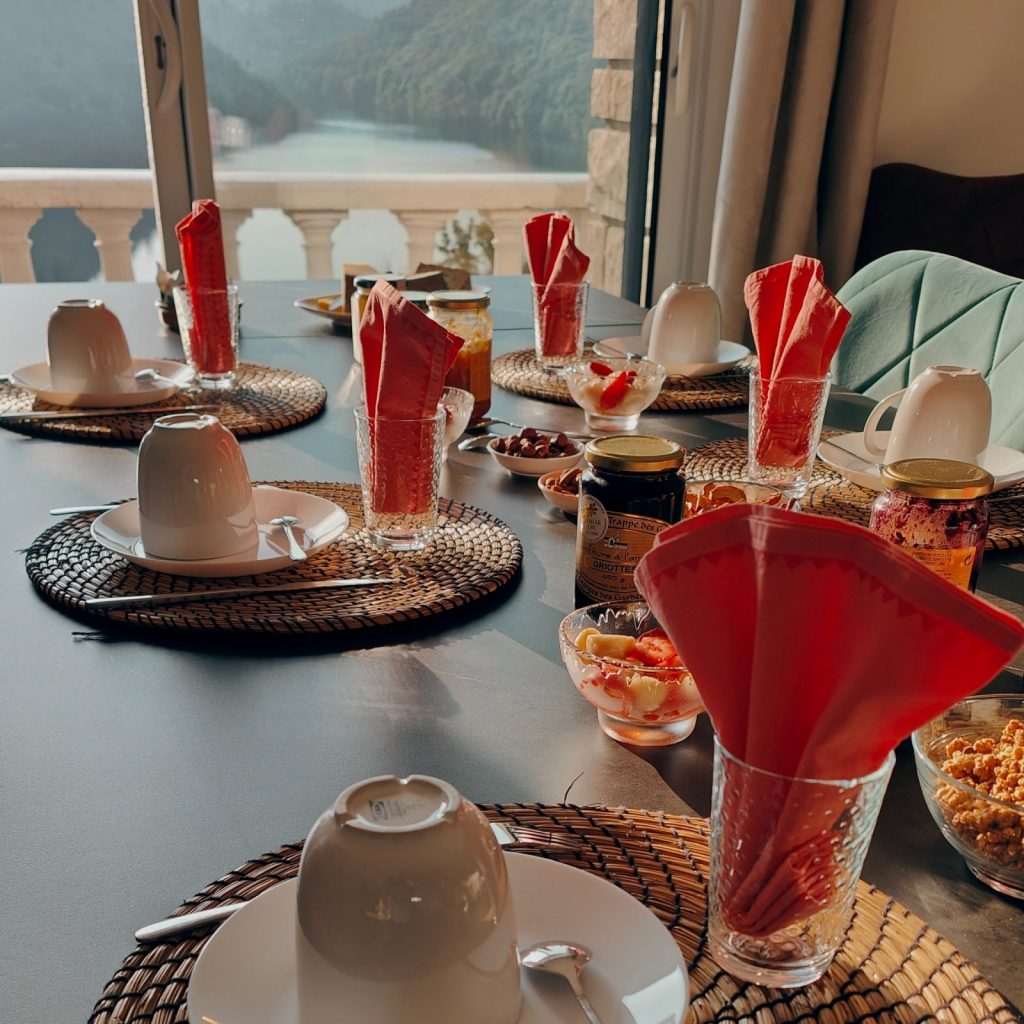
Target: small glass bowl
[[985, 831], [622, 405], [636, 704], [707, 495], [458, 407]]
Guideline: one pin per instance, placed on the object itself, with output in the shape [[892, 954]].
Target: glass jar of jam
[[937, 510], [465, 313], [633, 487]]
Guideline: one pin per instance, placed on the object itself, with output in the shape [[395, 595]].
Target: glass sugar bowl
[[937, 510], [466, 314]]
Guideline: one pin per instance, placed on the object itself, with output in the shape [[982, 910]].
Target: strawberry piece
[[654, 649], [614, 391], [601, 369]]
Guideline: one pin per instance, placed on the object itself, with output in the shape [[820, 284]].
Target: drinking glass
[[786, 854], [559, 319], [400, 467], [208, 323], [785, 419]]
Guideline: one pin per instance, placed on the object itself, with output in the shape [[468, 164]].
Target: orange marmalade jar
[[466, 314]]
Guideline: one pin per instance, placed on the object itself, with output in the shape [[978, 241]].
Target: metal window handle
[[168, 53]]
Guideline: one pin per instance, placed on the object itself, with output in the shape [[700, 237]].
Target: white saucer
[[860, 467], [320, 522], [729, 354], [246, 972], [137, 392]]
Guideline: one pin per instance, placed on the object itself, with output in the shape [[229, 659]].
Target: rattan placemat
[[893, 967], [473, 554], [264, 400], [520, 373], [831, 494]]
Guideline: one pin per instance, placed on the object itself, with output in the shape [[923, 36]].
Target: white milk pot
[[686, 326]]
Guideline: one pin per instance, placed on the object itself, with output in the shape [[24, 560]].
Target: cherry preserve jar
[[936, 509], [633, 487]]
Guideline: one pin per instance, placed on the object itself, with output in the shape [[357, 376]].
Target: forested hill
[[513, 74]]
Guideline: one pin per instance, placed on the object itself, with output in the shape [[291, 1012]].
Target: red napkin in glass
[[554, 263], [797, 324], [202, 258], [817, 647], [405, 358]]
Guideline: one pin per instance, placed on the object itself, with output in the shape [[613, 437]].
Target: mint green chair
[[916, 309]]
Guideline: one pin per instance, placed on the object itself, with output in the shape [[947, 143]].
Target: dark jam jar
[[633, 487], [936, 509]]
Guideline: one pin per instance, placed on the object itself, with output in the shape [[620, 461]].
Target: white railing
[[110, 203]]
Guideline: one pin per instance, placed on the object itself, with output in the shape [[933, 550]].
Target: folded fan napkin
[[405, 358], [797, 324], [202, 258], [559, 268], [817, 647]]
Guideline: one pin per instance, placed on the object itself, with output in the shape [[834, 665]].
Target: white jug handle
[[871, 427]]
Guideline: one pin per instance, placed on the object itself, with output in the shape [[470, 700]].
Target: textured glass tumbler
[[559, 322], [400, 467], [786, 855], [785, 418], [208, 324]]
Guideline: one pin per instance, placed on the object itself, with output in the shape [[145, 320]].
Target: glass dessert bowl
[[613, 392], [621, 661], [970, 763]]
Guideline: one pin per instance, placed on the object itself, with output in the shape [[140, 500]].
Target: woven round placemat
[[892, 967], [831, 494], [264, 400], [473, 554], [520, 373]]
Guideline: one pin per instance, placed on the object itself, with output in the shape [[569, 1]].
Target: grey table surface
[[132, 773]]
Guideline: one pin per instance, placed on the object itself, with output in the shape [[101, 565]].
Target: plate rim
[[308, 305], [142, 396]]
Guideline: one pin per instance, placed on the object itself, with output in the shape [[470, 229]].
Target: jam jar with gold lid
[[937, 510], [466, 314], [633, 487]]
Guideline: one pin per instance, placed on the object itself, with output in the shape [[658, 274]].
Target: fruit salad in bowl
[[622, 662], [613, 392]]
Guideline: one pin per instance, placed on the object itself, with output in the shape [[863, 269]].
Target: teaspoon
[[566, 959], [295, 552]]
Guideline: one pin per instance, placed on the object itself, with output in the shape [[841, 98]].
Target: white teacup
[[195, 497], [404, 911], [86, 348], [946, 413], [687, 325]]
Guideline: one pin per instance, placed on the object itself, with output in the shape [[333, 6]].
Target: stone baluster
[[422, 228], [507, 226], [231, 221], [113, 242], [15, 245], [317, 226]]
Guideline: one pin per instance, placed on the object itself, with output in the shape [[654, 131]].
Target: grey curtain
[[799, 140]]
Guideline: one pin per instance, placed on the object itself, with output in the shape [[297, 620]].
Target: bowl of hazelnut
[[970, 763], [531, 453], [561, 487]]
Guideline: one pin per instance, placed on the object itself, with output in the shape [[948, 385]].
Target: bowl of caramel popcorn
[[970, 762]]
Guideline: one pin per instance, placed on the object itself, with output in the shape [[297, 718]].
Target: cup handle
[[871, 427]]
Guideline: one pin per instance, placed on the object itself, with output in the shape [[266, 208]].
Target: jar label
[[608, 547], [952, 564]]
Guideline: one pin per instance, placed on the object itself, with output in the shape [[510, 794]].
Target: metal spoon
[[483, 424], [150, 373], [295, 552], [566, 959]]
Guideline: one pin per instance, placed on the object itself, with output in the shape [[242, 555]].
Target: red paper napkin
[[554, 263], [817, 647], [797, 324], [202, 258], [405, 358]]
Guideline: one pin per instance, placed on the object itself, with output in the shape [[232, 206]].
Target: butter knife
[[79, 414], [148, 600]]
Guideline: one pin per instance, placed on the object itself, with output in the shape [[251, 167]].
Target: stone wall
[[608, 146]]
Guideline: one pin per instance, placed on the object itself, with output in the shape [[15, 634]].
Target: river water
[[270, 245]]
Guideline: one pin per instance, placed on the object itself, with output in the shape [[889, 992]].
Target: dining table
[[135, 768]]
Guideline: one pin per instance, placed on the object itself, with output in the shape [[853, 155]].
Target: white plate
[[138, 392], [729, 354], [859, 466], [329, 307], [246, 972], [519, 466], [320, 522]]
